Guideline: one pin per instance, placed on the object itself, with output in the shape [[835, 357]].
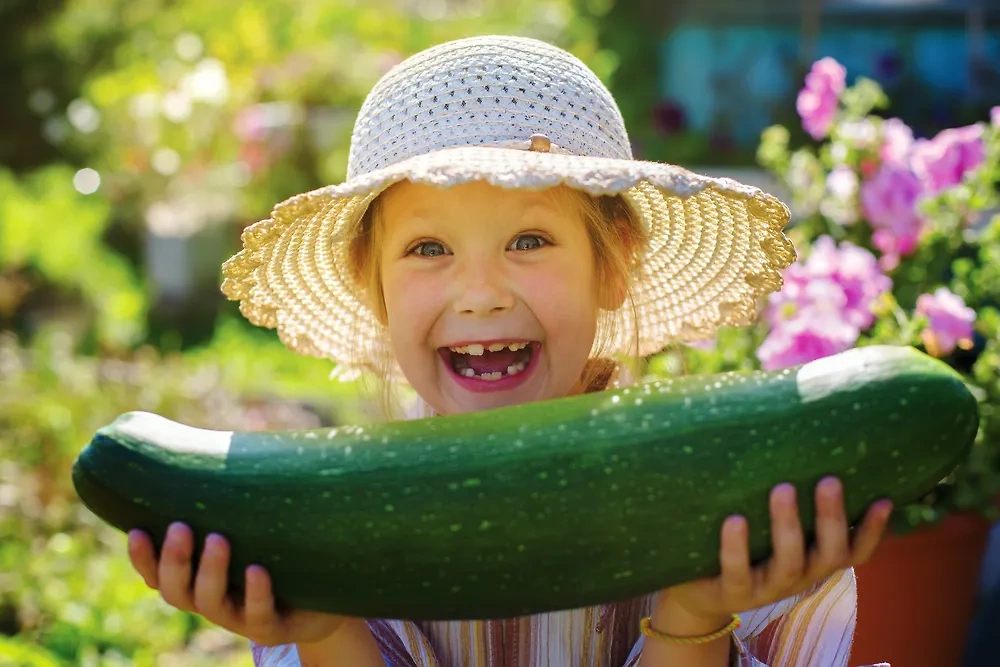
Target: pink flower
[[814, 333], [856, 271], [943, 161], [889, 201], [846, 277], [826, 302], [995, 117], [949, 322], [897, 139], [817, 101]]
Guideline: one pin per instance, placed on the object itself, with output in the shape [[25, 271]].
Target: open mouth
[[490, 361]]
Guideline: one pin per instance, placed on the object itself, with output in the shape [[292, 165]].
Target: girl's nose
[[482, 290]]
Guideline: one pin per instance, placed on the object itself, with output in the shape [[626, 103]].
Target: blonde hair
[[616, 236]]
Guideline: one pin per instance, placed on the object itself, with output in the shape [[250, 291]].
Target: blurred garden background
[[139, 137]]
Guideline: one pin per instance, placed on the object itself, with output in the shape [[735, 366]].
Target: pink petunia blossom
[[897, 139], [943, 161], [813, 333], [889, 202], [949, 321], [995, 116], [817, 101], [826, 301], [846, 277], [857, 271]]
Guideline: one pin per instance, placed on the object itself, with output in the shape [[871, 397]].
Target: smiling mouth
[[490, 361]]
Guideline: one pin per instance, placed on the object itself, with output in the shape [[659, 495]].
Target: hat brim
[[715, 247]]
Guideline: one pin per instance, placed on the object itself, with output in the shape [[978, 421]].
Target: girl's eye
[[527, 242], [428, 249]]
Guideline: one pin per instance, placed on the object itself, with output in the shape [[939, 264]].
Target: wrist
[[351, 643], [314, 651], [318, 647], [671, 617]]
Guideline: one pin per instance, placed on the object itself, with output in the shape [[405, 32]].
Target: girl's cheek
[[412, 297], [560, 290], [421, 289], [545, 281]]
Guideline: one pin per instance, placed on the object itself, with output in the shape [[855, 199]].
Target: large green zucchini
[[542, 506]]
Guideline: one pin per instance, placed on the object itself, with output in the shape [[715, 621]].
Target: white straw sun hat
[[517, 113]]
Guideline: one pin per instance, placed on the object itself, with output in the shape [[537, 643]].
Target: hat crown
[[486, 91]]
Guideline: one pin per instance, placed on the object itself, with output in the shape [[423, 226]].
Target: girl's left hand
[[790, 570]]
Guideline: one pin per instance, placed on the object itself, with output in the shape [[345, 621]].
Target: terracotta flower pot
[[916, 596]]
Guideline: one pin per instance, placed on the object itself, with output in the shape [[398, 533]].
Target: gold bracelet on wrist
[[648, 630]]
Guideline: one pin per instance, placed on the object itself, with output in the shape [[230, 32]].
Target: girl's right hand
[[257, 619]]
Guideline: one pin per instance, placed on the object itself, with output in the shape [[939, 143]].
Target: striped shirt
[[812, 629]]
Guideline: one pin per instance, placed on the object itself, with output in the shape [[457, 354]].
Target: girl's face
[[490, 293]]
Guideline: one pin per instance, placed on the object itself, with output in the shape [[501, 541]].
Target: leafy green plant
[[54, 236], [70, 594]]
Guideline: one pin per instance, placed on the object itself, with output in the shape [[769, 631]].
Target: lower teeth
[[495, 375]]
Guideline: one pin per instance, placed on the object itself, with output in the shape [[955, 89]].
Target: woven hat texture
[[467, 111]]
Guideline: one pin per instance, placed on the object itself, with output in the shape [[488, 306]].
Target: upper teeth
[[477, 350]]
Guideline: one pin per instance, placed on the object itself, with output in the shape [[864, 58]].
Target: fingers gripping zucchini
[[543, 506]]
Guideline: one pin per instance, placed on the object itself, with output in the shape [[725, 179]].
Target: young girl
[[495, 244]]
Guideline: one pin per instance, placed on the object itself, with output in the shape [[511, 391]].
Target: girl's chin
[[477, 402], [458, 400]]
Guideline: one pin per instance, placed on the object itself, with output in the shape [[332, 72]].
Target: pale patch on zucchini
[[171, 436]]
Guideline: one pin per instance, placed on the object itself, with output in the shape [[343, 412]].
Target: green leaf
[[15, 652]]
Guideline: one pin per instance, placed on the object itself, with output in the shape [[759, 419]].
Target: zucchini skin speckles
[[537, 507]]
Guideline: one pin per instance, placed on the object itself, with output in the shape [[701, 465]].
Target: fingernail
[[737, 521], [786, 492], [176, 536], [830, 486]]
